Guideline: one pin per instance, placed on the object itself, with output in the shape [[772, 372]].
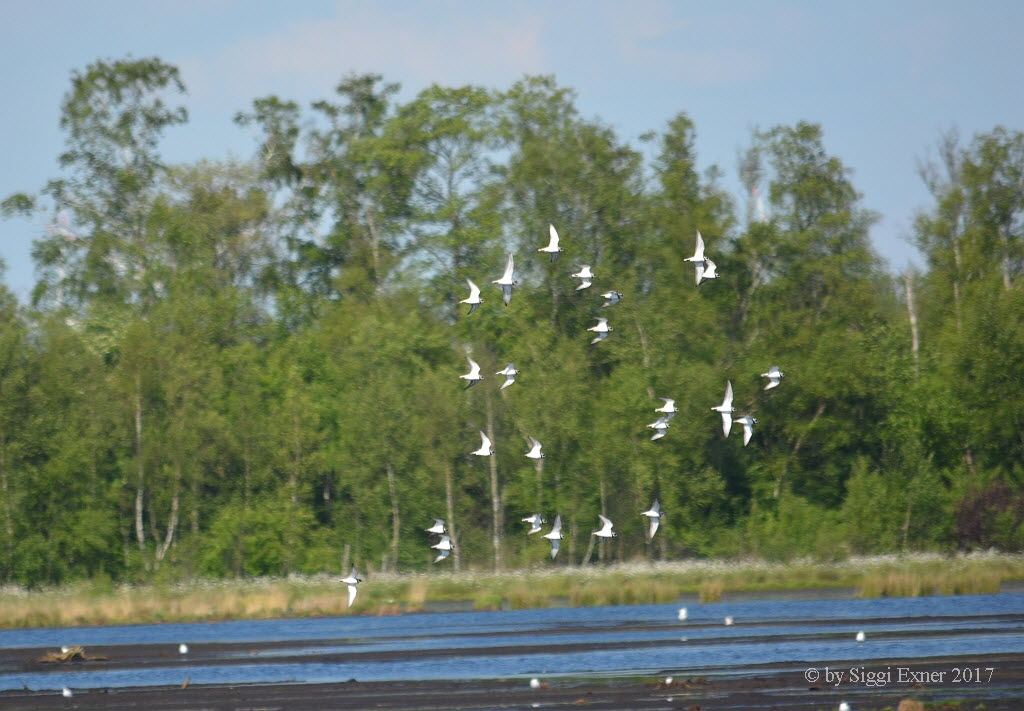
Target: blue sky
[[884, 79]]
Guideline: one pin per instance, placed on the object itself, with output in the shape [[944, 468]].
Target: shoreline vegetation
[[709, 581]]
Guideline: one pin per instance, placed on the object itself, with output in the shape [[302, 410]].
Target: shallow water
[[766, 632]]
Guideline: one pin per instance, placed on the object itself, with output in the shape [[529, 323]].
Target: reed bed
[[385, 594]]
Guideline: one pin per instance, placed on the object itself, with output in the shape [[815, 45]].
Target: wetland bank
[[619, 584]]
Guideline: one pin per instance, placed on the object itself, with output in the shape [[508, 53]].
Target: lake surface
[[592, 641]]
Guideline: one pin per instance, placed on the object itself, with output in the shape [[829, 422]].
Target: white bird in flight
[[585, 276], [555, 535], [698, 252], [473, 376], [553, 249], [602, 330], [659, 426], [654, 514], [535, 446], [706, 272], [474, 299], [726, 409], [612, 297], [748, 423], [669, 408], [506, 282], [606, 528], [535, 521], [444, 546], [510, 374], [774, 376], [352, 580], [438, 527], [485, 446]]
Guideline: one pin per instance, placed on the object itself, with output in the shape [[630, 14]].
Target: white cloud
[[415, 44], [705, 48]]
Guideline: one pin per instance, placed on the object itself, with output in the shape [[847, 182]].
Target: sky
[[884, 79]]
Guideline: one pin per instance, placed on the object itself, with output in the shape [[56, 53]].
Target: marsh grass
[[711, 591], [623, 584]]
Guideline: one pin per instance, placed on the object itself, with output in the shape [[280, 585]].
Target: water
[[647, 639]]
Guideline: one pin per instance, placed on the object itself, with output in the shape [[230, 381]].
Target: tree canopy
[[251, 368]]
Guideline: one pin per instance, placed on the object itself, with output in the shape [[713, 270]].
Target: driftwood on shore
[[73, 654]]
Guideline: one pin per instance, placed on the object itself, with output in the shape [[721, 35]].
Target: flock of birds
[[705, 270]]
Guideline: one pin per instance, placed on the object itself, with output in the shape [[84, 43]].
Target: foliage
[[251, 368]]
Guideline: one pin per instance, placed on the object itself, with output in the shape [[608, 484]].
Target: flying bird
[[659, 426], [506, 282], [485, 446], [654, 514], [352, 580], [445, 547], [612, 297], [534, 452], [535, 520], [438, 527], [474, 299], [707, 272], [473, 376], [555, 535], [585, 276], [510, 374], [726, 409], [553, 249], [774, 376], [748, 423], [669, 408], [698, 252], [602, 330], [606, 528]]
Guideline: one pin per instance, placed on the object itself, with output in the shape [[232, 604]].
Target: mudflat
[[962, 682]]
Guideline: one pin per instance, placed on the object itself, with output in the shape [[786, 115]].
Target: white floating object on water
[[182, 648], [66, 693], [860, 636], [684, 639], [728, 621], [682, 613], [535, 683]]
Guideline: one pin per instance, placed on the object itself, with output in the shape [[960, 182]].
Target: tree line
[[234, 368]]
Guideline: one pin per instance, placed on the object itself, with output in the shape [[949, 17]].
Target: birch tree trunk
[[496, 514], [908, 286], [449, 504], [140, 470], [395, 524]]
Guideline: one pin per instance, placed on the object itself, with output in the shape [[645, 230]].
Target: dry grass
[[629, 583], [711, 591]]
